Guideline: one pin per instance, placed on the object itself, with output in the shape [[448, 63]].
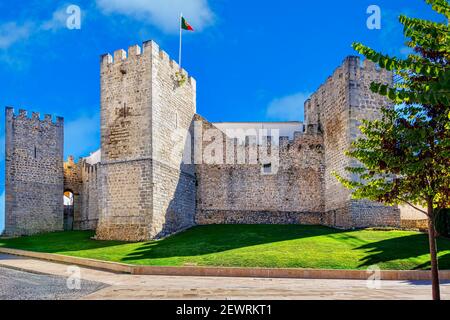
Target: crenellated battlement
[[89, 168], [82, 165], [313, 136], [354, 66], [35, 117], [34, 162], [150, 50], [355, 62]]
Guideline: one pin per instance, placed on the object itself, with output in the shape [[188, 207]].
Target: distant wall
[[409, 213], [74, 184], [90, 203], [244, 193], [34, 174], [83, 180]]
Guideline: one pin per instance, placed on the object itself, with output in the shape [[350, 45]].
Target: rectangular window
[[267, 168]]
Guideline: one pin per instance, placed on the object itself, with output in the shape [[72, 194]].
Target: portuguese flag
[[185, 25]]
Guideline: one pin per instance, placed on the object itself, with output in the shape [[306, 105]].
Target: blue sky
[[253, 60]]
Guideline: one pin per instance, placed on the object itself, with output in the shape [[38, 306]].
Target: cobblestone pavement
[[21, 285], [123, 286]]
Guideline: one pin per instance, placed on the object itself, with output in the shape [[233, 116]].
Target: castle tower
[[147, 106], [34, 174], [337, 108]]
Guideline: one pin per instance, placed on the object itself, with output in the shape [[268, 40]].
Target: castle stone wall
[[337, 108], [144, 107], [243, 193], [74, 183], [90, 202], [83, 180], [126, 195], [34, 174], [173, 110]]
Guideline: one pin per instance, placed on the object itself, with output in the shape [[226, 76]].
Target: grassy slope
[[289, 246]]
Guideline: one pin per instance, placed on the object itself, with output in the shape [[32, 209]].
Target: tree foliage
[[424, 77], [405, 155]]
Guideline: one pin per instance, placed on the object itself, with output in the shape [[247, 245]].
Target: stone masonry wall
[[243, 193], [34, 174], [173, 110], [145, 190], [74, 184], [126, 193], [337, 108], [90, 203], [83, 180], [364, 104]]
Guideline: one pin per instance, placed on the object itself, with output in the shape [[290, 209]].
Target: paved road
[[20, 285], [136, 287]]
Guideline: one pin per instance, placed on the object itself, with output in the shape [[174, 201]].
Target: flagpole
[[181, 41]]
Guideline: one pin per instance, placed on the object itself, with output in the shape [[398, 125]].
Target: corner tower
[[147, 106], [34, 174], [338, 108]]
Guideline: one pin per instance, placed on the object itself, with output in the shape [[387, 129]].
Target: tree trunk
[[433, 253]]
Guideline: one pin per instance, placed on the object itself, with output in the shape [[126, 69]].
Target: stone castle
[[139, 186]]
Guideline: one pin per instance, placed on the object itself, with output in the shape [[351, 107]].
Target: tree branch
[[413, 206]]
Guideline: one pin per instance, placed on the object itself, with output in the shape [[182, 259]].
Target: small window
[[125, 110], [267, 168]]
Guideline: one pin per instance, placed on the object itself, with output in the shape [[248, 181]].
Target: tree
[[404, 157]]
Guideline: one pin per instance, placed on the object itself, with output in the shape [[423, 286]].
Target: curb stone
[[399, 275]]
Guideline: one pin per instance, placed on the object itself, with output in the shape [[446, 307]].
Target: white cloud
[[11, 32], [14, 32], [163, 14], [82, 136], [289, 108], [2, 212], [58, 20]]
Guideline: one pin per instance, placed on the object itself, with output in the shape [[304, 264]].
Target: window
[[68, 198], [125, 110], [267, 168]]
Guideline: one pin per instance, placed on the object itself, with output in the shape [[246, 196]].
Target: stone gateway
[[162, 168]]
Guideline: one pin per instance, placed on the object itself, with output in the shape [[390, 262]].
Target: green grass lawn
[[290, 246]]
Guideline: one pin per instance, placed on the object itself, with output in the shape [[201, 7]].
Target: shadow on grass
[[404, 248], [58, 242], [196, 241], [203, 240]]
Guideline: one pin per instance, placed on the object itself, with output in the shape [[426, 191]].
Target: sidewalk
[[124, 286]]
